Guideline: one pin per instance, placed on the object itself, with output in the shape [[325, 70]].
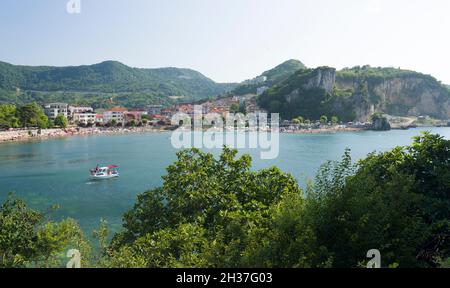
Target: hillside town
[[85, 120], [151, 115]]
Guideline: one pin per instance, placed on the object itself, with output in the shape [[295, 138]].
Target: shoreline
[[29, 135]]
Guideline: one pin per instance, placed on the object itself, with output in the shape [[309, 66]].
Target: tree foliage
[[61, 121], [28, 239], [395, 201]]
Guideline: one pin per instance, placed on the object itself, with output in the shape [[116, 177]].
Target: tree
[[61, 121], [215, 213], [298, 120], [334, 120], [32, 115], [28, 240], [323, 119], [8, 116], [396, 201]]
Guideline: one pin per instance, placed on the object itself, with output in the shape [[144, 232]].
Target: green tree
[[396, 201], [323, 119], [334, 120], [32, 115], [298, 120], [61, 121], [8, 116], [213, 213], [28, 240]]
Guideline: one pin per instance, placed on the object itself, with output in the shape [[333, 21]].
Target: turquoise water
[[56, 171]]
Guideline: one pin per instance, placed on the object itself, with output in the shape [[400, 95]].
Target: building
[[79, 109], [53, 110], [167, 113], [129, 116], [154, 110], [85, 118], [99, 119], [115, 114]]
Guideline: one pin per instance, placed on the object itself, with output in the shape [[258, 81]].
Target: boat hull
[[100, 177]]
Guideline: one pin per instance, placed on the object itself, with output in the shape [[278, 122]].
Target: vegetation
[[8, 117], [100, 82], [29, 240], [396, 201], [61, 121], [334, 120], [213, 212], [30, 115], [310, 102], [274, 76], [355, 89]]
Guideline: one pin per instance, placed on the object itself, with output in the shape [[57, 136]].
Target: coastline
[[26, 135]]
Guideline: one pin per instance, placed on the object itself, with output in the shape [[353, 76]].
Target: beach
[[18, 135]]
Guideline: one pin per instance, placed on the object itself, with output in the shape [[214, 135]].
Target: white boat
[[106, 172]]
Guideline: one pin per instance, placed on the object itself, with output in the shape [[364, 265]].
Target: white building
[[55, 109], [85, 118], [79, 109], [115, 114]]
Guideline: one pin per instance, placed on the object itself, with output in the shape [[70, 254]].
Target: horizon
[[229, 41]]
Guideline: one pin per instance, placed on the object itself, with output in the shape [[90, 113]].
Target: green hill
[[274, 76], [93, 83]]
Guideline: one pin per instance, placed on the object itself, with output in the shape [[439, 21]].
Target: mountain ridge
[[107, 77]]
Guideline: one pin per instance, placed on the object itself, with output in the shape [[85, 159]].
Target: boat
[[106, 172]]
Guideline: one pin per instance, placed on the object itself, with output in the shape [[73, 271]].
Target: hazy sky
[[230, 40]]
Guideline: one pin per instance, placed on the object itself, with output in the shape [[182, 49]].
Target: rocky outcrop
[[357, 94], [323, 78], [400, 96]]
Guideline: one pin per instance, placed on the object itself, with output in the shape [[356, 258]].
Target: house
[[53, 110], [85, 118], [154, 110], [129, 116], [114, 114], [79, 109], [99, 118], [166, 113]]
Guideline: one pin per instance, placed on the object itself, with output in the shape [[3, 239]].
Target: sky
[[229, 40]]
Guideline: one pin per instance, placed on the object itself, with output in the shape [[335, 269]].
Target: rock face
[[322, 78], [400, 96], [357, 94]]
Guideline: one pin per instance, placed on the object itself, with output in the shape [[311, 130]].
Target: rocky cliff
[[395, 92], [357, 93]]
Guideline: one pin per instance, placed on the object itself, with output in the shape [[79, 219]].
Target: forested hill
[[273, 76], [104, 80]]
